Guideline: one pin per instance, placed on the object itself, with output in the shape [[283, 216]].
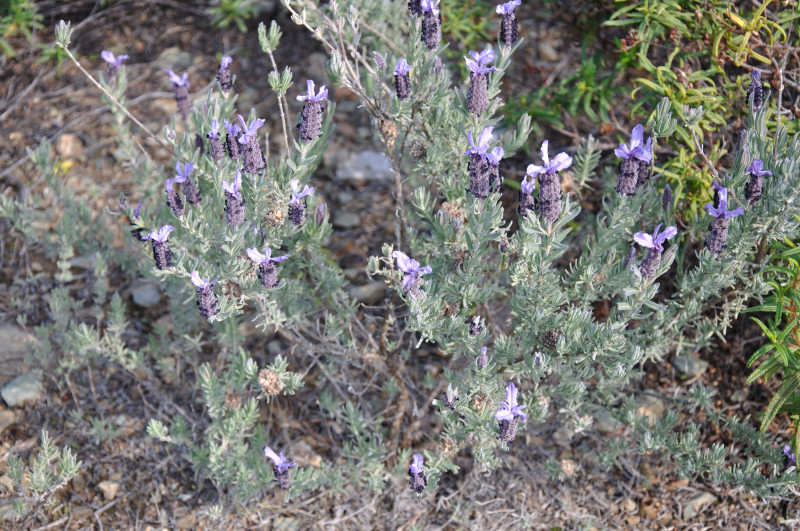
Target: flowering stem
[[281, 103]]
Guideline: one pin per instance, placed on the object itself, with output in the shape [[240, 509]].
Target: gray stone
[[15, 343], [738, 396], [69, 146], [275, 347], [371, 293], [547, 52], [605, 423], [109, 489], [346, 220], [689, 366], [698, 504], [364, 166], [650, 407], [145, 294], [174, 58], [7, 418], [23, 388]]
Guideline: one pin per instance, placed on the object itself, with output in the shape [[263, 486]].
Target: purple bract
[[479, 61], [722, 210], [562, 161], [248, 130], [508, 7], [637, 149], [109, 58], [411, 268], [510, 408], [310, 96], [281, 463], [265, 258], [656, 240], [161, 235], [178, 81], [299, 194]]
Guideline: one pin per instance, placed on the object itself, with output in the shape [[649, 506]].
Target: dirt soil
[[156, 487]]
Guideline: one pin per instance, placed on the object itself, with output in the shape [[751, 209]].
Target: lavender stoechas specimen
[[281, 467], [756, 89], [666, 199], [755, 186], [418, 480], [654, 245], [450, 398], [401, 82], [475, 327], [162, 254], [415, 7], [480, 168], [509, 414], [114, 64], [173, 199], [635, 168], [717, 239], [380, 61], [231, 142], [137, 232], [297, 204], [431, 23], [267, 271], [206, 299], [181, 87], [549, 185], [190, 189], [412, 280], [527, 202], [253, 160], [478, 90], [234, 202], [224, 75], [509, 28], [483, 359], [495, 176], [216, 150], [310, 126]]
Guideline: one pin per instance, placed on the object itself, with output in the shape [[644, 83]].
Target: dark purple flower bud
[[181, 87], [415, 7], [755, 186], [509, 28], [320, 217], [655, 246], [224, 75], [267, 271], [630, 257], [791, 458], [418, 480], [450, 398], [231, 143], [281, 468], [206, 299], [741, 141], [635, 168], [413, 272], [527, 202], [483, 359], [183, 176], [549, 185], [214, 142], [666, 198], [310, 126], [431, 23], [162, 254], [199, 144], [401, 81], [477, 92], [437, 65], [475, 327], [480, 170], [297, 204], [234, 202], [137, 232], [114, 64], [495, 175], [380, 61], [717, 239], [173, 199], [253, 162], [756, 89], [508, 414]]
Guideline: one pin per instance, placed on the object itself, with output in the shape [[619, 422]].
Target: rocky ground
[[128, 480]]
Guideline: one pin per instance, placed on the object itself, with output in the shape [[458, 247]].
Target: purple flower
[[267, 271], [757, 168], [137, 210], [224, 75], [756, 89], [281, 467], [182, 81], [254, 162], [249, 130], [482, 147], [173, 199], [320, 96], [431, 23], [413, 272], [656, 240], [183, 172], [162, 254], [232, 128], [199, 282], [233, 188], [526, 186], [416, 464], [479, 61], [183, 176], [418, 480], [401, 82], [508, 7], [206, 298], [666, 198], [431, 6], [225, 62], [475, 327], [402, 67], [527, 201], [265, 258], [109, 58], [234, 151], [549, 185], [636, 149], [717, 238], [234, 202], [755, 186], [562, 161], [792, 458], [722, 211], [161, 235], [297, 193], [484, 166], [510, 408], [181, 87], [297, 205], [214, 131]]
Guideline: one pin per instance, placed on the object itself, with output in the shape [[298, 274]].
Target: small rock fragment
[[6, 419], [371, 293], [650, 407], [698, 504], [23, 388], [109, 489], [689, 366], [145, 294]]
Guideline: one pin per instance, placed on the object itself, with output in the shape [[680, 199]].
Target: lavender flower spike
[[791, 458], [206, 299], [418, 480], [495, 175], [717, 239], [297, 205], [480, 170], [224, 75], [508, 414], [217, 151], [415, 7], [635, 168], [253, 162], [527, 203], [173, 199], [310, 126], [478, 90], [267, 272], [401, 82], [755, 186], [483, 359], [281, 467], [234, 151], [413, 272], [137, 232], [181, 87], [654, 246], [756, 89], [114, 64], [549, 185], [431, 23], [162, 254], [234, 202], [183, 176], [475, 326], [509, 28]]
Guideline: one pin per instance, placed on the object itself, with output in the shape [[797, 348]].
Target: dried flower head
[[270, 382], [233, 400]]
